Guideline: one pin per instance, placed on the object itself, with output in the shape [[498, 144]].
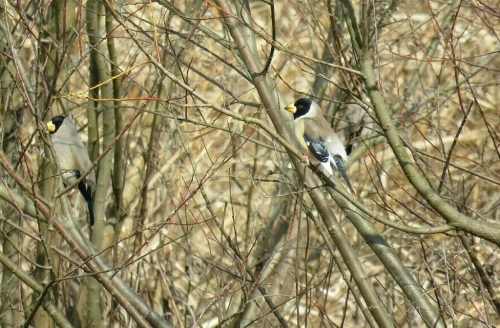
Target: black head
[[55, 123], [303, 105]]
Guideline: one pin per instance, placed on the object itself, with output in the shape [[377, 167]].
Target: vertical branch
[[89, 307], [118, 162], [99, 74], [9, 297]]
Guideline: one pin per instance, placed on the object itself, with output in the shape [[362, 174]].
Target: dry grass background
[[177, 255]]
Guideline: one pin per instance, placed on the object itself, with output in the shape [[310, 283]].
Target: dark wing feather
[[318, 148]]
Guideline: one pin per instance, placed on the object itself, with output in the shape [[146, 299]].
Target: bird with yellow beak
[[73, 157], [317, 138]]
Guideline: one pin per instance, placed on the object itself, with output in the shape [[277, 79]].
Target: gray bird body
[[317, 138], [73, 157]]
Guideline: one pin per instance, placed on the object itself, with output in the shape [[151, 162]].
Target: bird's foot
[[306, 160]]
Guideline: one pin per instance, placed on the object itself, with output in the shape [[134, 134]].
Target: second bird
[[318, 138], [73, 157]]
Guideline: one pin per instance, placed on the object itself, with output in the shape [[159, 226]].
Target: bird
[[73, 157], [317, 138]]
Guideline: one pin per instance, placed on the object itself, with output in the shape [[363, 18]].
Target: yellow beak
[[291, 108], [50, 126]]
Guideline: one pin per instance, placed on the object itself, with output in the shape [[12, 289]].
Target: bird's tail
[[91, 211], [87, 194], [341, 168]]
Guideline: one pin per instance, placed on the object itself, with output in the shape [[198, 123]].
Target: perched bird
[[73, 157], [318, 138]]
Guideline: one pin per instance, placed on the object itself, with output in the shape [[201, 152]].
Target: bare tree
[[207, 212]]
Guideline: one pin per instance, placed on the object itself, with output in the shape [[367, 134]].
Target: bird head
[[55, 123], [300, 108]]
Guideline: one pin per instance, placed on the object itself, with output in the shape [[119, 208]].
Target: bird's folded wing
[[318, 148], [314, 141], [72, 155]]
